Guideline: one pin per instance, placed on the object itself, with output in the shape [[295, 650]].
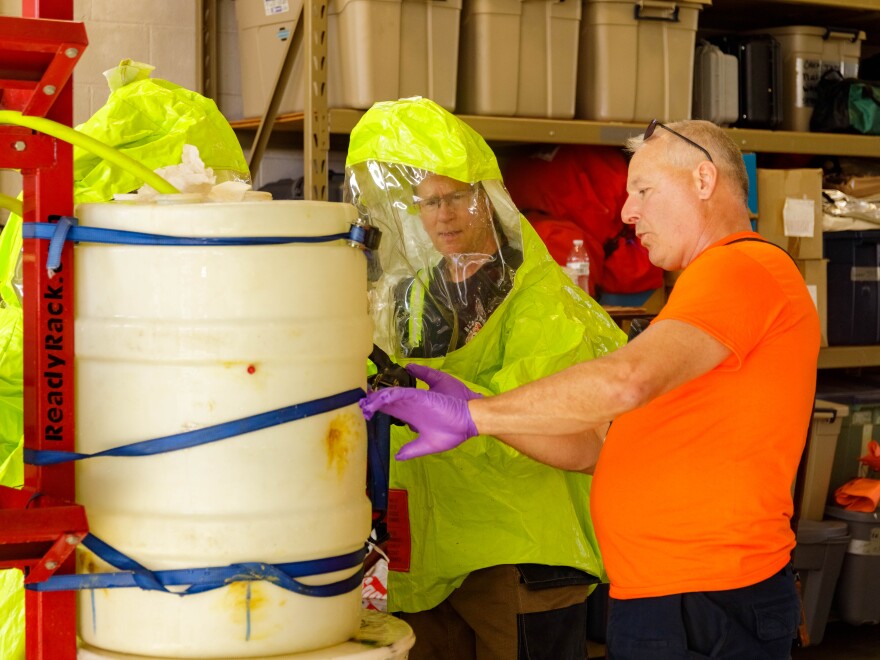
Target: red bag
[[557, 236], [586, 186], [627, 268]]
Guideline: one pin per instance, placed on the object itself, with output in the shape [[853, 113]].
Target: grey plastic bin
[[858, 589], [818, 558]]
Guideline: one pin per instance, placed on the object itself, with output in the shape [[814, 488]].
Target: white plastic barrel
[[170, 339]]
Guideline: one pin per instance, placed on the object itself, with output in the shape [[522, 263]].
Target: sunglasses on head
[[654, 124]]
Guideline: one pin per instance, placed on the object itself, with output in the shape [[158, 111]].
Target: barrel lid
[[815, 531]]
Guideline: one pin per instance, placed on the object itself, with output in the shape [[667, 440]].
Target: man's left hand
[[442, 422]]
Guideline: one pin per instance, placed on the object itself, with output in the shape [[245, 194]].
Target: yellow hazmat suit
[[482, 504]]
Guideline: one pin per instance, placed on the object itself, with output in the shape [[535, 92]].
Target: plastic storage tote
[[518, 57], [818, 558], [377, 50], [853, 291], [716, 85], [862, 397], [807, 53], [761, 98], [857, 600], [636, 60], [827, 421]]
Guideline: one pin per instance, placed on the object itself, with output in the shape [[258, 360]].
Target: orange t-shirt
[[692, 491]]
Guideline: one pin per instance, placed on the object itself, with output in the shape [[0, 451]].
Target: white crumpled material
[[843, 212], [196, 182]]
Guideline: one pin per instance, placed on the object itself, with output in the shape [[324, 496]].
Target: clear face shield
[[447, 259]]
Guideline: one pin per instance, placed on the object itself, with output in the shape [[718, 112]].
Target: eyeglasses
[[457, 200], [654, 124]]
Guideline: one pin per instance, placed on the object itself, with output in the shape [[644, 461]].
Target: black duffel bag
[[846, 105]]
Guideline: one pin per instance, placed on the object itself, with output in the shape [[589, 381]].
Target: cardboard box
[[790, 210], [815, 272]]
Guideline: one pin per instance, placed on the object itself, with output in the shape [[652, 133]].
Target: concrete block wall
[[157, 32]]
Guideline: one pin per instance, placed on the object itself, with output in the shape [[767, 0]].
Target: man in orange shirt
[[691, 494]]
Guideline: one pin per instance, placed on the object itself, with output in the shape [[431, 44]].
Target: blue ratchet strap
[[208, 434], [66, 229], [378, 460], [200, 580]]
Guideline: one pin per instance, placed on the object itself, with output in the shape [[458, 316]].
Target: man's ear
[[706, 179]]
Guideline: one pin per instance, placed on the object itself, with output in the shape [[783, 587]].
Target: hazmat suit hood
[[412, 165], [452, 239]]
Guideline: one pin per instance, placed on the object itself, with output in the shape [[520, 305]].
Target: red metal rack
[[41, 525]]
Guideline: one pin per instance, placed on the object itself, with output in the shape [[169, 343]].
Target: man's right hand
[[443, 422]]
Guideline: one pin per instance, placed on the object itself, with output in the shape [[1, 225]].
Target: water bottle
[[578, 265]]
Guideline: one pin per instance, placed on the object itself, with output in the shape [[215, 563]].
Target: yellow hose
[[10, 203], [91, 145]]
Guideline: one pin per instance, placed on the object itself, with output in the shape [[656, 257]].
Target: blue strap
[[62, 229], [205, 435], [200, 580], [378, 460], [66, 229]]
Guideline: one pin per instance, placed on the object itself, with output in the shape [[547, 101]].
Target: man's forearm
[[571, 402], [577, 452]]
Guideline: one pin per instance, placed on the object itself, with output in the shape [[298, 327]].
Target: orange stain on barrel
[[340, 441], [246, 611]]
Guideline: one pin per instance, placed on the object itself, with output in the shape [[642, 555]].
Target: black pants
[[752, 622]]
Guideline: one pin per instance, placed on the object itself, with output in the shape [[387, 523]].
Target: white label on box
[[798, 217], [864, 274], [861, 418], [273, 7], [869, 547], [814, 294]]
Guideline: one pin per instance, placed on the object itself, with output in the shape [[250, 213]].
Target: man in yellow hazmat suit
[[150, 120], [492, 554]]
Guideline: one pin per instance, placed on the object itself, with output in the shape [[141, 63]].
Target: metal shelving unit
[[727, 15], [839, 357], [575, 131]]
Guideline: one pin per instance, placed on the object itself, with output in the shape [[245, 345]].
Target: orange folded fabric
[[859, 495], [872, 458]]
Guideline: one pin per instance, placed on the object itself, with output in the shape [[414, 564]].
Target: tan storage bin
[[548, 58], [429, 50], [377, 50], [827, 421], [807, 52], [519, 58], [636, 60]]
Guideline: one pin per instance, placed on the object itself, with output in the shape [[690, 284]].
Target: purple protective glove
[[443, 422], [442, 382]]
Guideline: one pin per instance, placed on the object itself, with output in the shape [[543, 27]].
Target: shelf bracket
[[267, 121], [316, 129]]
